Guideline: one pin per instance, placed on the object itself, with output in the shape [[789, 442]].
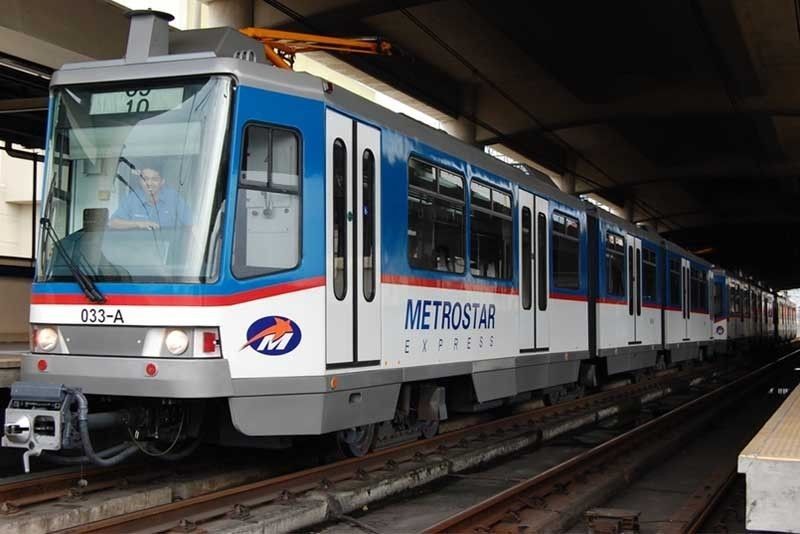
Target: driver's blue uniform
[[170, 210]]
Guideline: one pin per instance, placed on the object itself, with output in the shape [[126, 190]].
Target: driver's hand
[[147, 225]]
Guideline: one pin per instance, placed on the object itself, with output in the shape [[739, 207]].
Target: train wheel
[[356, 441]]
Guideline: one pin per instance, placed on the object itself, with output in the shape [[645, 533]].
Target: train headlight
[[177, 341], [46, 339]]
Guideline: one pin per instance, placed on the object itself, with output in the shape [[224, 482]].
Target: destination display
[[136, 101]]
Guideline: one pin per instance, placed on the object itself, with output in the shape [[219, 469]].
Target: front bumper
[[188, 378]]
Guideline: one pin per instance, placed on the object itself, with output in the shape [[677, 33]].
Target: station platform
[[9, 362], [771, 465]]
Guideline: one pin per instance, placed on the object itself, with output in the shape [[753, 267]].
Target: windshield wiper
[[86, 284]]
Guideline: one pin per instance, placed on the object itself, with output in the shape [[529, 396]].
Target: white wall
[[16, 202]]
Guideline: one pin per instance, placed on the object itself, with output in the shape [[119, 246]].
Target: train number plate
[[101, 316]]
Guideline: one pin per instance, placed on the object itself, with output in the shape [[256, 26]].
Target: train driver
[[156, 205]]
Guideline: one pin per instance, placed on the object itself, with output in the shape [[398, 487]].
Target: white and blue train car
[[626, 295], [481, 276], [687, 317]]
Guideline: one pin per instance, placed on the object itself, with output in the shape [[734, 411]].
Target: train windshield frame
[[135, 181]]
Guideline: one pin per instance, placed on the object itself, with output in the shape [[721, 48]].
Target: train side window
[[639, 281], [339, 219], [746, 302], [368, 228], [267, 228], [699, 290], [435, 218], [490, 232], [615, 264], [704, 290], [675, 282], [566, 251], [527, 236], [717, 288], [649, 275], [541, 262]]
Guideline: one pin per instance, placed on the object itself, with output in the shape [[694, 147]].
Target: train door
[[533, 280], [634, 268], [527, 268], [353, 311], [686, 297], [712, 288]]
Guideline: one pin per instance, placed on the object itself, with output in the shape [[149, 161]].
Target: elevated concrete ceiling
[[690, 109]]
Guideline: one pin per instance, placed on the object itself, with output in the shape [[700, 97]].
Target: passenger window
[[631, 290], [490, 232], [541, 263], [699, 290], [368, 230], [566, 251], [267, 229], [435, 218], [615, 264], [639, 280], [339, 219], [527, 236], [675, 282], [649, 275]]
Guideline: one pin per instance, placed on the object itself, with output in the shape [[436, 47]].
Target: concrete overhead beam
[[21, 105], [230, 13], [53, 33]]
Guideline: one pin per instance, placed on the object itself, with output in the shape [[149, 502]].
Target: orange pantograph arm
[[290, 43]]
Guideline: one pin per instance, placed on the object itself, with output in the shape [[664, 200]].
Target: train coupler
[[38, 419]]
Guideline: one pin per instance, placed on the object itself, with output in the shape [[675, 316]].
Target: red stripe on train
[[567, 296], [182, 300], [445, 284]]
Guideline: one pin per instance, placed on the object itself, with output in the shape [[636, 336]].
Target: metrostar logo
[[273, 336]]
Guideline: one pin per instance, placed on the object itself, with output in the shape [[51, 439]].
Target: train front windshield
[[135, 188]]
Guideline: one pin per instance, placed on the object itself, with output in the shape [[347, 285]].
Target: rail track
[[18, 495], [554, 499], [321, 493], [359, 481]]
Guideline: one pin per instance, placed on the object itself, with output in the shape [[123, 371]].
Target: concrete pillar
[[461, 128], [630, 206], [231, 13], [568, 182], [568, 175]]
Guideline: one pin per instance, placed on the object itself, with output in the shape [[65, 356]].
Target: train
[[239, 254]]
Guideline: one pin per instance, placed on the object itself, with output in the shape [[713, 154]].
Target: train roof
[[226, 51], [672, 247], [628, 226], [348, 102]]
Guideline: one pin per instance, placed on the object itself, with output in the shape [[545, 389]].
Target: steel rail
[[203, 508], [43, 487], [702, 516], [485, 515], [690, 517]]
